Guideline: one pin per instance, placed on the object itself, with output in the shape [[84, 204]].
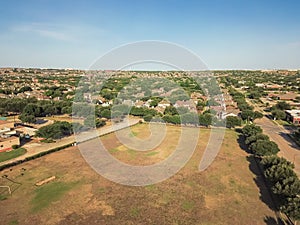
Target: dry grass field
[[226, 193]]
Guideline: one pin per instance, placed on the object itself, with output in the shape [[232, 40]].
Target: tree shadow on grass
[[259, 179], [273, 221]]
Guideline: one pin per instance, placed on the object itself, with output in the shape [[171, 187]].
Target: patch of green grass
[[284, 123], [132, 153], [236, 186], [49, 193], [191, 183], [2, 197], [13, 222], [101, 190], [134, 211], [48, 140], [150, 187], [188, 205], [113, 150], [151, 153], [12, 154], [133, 134]]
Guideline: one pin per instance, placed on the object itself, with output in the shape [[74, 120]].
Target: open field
[[228, 192]]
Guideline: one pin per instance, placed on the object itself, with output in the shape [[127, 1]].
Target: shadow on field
[[289, 140], [265, 195], [273, 221], [259, 177]]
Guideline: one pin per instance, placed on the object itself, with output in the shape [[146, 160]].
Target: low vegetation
[[49, 193], [4, 156]]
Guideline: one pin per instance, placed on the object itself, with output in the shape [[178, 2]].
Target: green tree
[[274, 160], [201, 104], [148, 117], [264, 148], [32, 109], [205, 119], [250, 130], [56, 130], [190, 118], [25, 88], [90, 121], [100, 123], [289, 186], [282, 105], [233, 121], [279, 172], [171, 110], [106, 113], [249, 140], [291, 207], [49, 109], [257, 115], [278, 114], [66, 110], [247, 115], [255, 94], [27, 118]]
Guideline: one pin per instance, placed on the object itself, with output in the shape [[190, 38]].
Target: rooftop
[[294, 112]]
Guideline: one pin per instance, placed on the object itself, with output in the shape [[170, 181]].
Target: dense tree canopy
[[56, 130], [233, 121], [278, 114], [250, 130], [264, 148]]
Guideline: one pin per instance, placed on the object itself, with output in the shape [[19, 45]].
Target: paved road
[[278, 134], [34, 148]]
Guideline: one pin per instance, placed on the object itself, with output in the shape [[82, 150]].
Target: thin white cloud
[[53, 31]]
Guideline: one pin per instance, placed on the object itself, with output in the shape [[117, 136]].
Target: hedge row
[[2, 167], [278, 172]]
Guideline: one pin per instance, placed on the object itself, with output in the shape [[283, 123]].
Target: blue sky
[[225, 34]]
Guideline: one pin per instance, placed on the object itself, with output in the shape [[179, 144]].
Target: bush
[[148, 117], [249, 140], [15, 146], [233, 121], [278, 114], [264, 148], [250, 130]]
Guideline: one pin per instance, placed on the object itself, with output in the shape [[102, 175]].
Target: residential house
[[293, 116], [164, 103], [290, 96]]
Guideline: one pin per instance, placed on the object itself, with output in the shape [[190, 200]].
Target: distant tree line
[[247, 112]]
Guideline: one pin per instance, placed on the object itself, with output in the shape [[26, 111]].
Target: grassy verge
[[284, 123], [49, 193], [12, 154]]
